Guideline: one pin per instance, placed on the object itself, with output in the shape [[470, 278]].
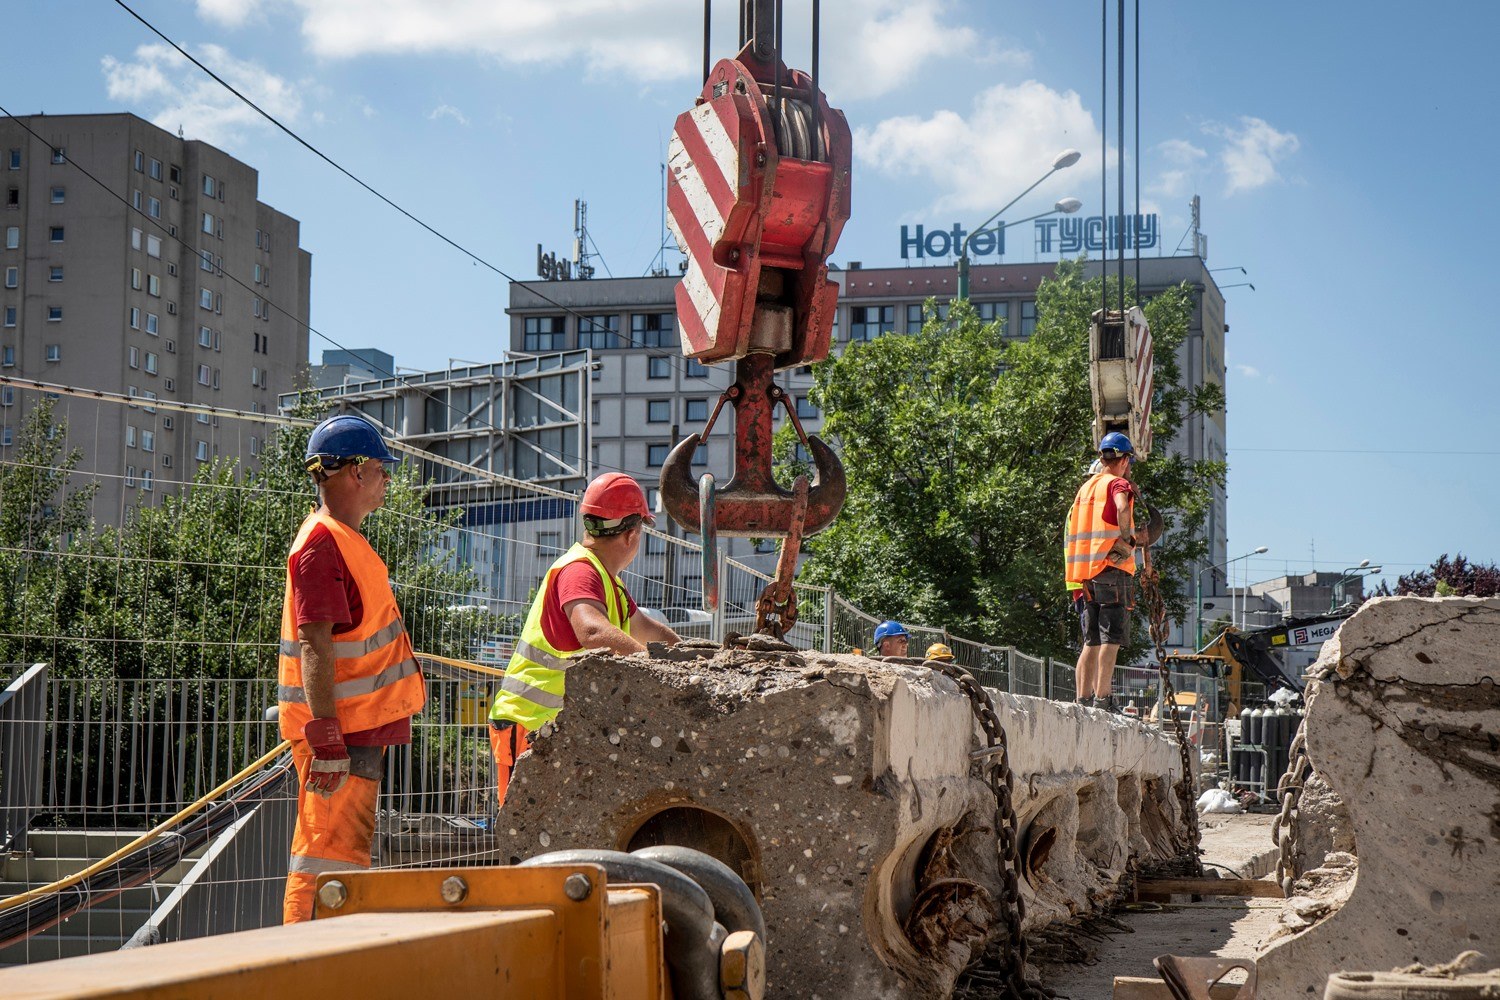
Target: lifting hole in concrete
[[1037, 849], [702, 830]]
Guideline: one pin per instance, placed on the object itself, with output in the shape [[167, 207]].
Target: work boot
[[1088, 701]]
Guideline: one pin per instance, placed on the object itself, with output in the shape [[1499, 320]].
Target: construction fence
[[142, 563]]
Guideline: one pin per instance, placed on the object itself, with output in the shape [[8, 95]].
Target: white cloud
[[229, 13], [447, 111], [186, 98], [870, 47], [1249, 371], [1251, 152], [1181, 152], [1005, 143]]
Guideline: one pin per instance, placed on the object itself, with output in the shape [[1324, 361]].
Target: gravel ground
[[1227, 927]]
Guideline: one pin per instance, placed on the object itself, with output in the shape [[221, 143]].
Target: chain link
[[1286, 828], [1156, 609], [1002, 781]]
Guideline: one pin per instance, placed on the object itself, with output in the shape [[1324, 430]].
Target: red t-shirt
[[1117, 486], [323, 591], [577, 581]]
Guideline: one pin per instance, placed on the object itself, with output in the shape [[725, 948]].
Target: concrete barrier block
[[841, 789], [1403, 723]]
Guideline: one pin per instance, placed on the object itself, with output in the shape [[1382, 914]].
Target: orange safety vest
[[376, 677], [1086, 547]]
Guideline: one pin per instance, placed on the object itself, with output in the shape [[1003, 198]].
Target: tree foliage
[[964, 448], [1455, 577], [194, 586]]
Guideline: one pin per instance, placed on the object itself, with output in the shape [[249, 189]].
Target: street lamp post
[[1065, 159], [1198, 614], [1350, 573]]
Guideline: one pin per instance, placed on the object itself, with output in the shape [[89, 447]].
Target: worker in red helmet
[[581, 604]]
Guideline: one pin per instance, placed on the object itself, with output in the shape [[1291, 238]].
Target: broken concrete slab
[[842, 789], [1403, 723]]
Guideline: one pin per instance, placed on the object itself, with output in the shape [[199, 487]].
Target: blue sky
[[1340, 151]]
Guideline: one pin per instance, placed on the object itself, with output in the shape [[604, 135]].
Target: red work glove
[[330, 766]]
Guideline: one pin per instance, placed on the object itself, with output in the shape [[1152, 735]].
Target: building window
[[59, 195], [205, 337], [254, 445], [916, 315], [151, 324], [133, 357], [148, 440], [695, 369], [543, 333], [54, 352], [54, 314], [806, 410], [7, 395], [697, 409], [153, 207], [13, 197], [988, 312], [59, 154], [55, 273], [130, 435], [254, 375], [200, 450], [148, 480], [135, 239], [658, 368], [869, 322], [151, 395], [599, 332], [12, 237], [7, 437], [155, 169], [135, 318], [8, 357], [171, 387], [166, 460], [57, 234], [1028, 317], [175, 173], [255, 307], [129, 475], [135, 200], [205, 375], [153, 246], [659, 411], [150, 362], [10, 315], [257, 274], [15, 159], [206, 299], [216, 378], [140, 161], [135, 278], [12, 277], [208, 223], [653, 330], [153, 285], [208, 185], [656, 455]]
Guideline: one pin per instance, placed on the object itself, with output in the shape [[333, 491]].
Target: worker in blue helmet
[[1099, 553], [891, 638], [342, 440]]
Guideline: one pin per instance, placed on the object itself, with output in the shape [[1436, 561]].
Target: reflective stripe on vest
[[1089, 539], [376, 678], [309, 865], [535, 678]]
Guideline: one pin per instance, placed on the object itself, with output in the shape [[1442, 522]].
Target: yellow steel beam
[[546, 933]]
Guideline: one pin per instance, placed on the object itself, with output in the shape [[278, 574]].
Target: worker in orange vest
[[348, 680], [581, 604], [1100, 556]]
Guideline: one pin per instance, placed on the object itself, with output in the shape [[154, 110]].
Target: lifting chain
[[994, 762], [1156, 608], [1285, 829]]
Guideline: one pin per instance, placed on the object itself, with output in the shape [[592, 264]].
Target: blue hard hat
[[888, 628], [339, 439], [1116, 442]]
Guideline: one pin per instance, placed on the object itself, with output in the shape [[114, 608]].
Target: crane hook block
[[757, 195]]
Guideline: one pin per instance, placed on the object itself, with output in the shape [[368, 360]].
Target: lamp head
[[1068, 206], [1066, 159], [1263, 548]]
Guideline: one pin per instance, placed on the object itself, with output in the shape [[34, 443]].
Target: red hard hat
[[615, 495]]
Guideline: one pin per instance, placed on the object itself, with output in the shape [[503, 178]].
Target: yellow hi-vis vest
[[535, 678], [1089, 537]]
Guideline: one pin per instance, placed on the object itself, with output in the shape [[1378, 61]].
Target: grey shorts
[[1105, 616]]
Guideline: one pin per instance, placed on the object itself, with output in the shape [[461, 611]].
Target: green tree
[[964, 448]]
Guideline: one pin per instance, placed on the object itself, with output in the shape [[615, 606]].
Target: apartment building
[[141, 263]]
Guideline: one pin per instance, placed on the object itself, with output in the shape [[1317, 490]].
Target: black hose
[[734, 904], [693, 937]]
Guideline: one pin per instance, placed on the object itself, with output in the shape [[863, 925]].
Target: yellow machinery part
[[545, 933]]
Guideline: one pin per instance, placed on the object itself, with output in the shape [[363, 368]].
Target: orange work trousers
[[332, 834], [507, 744]]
